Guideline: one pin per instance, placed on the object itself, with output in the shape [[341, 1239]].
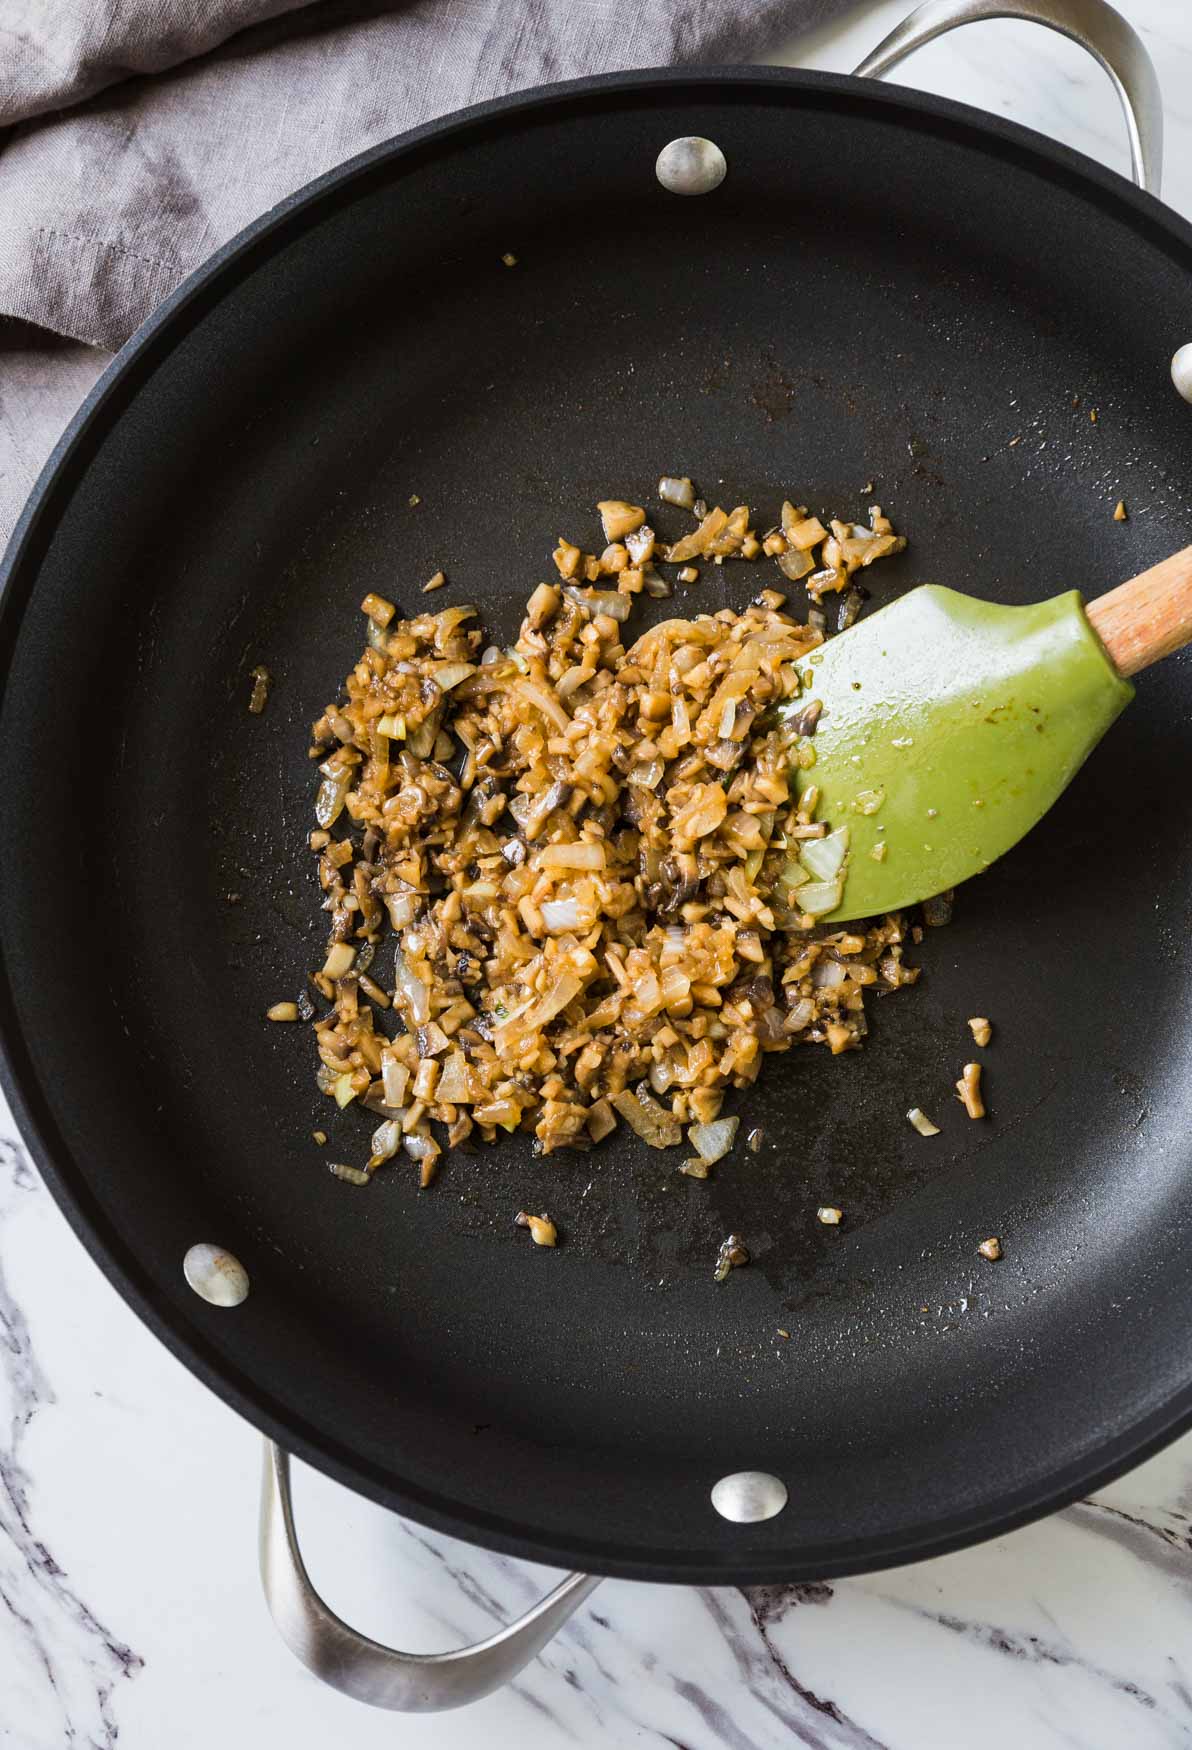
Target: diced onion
[[713, 1141], [794, 564], [619, 519], [402, 908], [447, 675], [454, 1085], [421, 741], [544, 701], [922, 1122], [824, 858], [581, 855], [678, 490], [601, 601], [661, 1076], [647, 773], [339, 959], [560, 914], [691, 546], [395, 1079], [819, 897], [330, 800], [411, 987], [647, 1118], [386, 1141], [828, 974]]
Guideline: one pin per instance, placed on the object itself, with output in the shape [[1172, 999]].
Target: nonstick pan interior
[[882, 290]]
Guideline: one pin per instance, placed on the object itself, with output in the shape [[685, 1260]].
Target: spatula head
[[949, 727]]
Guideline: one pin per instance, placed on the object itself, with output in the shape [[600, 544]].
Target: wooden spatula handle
[[1148, 617]]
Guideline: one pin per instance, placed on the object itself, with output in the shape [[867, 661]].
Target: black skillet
[[886, 287]]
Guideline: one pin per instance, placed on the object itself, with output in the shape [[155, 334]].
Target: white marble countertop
[[129, 1604]]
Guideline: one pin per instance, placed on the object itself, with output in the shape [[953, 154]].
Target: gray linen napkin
[[138, 135]]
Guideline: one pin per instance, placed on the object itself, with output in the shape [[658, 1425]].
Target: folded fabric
[[144, 133]]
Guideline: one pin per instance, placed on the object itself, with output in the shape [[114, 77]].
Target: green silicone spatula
[[949, 726]]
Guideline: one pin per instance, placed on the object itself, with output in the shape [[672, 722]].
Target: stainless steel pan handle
[[413, 1683], [1093, 24]]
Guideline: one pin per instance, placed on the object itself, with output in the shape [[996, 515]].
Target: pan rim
[[32, 1108]]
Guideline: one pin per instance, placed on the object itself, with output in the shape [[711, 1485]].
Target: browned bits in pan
[[732, 1255], [259, 697]]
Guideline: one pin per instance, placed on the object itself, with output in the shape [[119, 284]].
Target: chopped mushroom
[[340, 956], [732, 1255], [969, 1090], [543, 1231], [619, 519]]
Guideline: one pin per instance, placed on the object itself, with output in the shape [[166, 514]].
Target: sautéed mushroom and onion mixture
[[571, 884]]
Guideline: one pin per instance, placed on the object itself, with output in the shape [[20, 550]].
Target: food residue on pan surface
[[543, 1231], [968, 1089], [922, 1123], [732, 1255], [262, 680]]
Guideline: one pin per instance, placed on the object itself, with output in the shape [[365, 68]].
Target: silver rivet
[[215, 1275], [691, 166], [748, 1496], [1181, 371]]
